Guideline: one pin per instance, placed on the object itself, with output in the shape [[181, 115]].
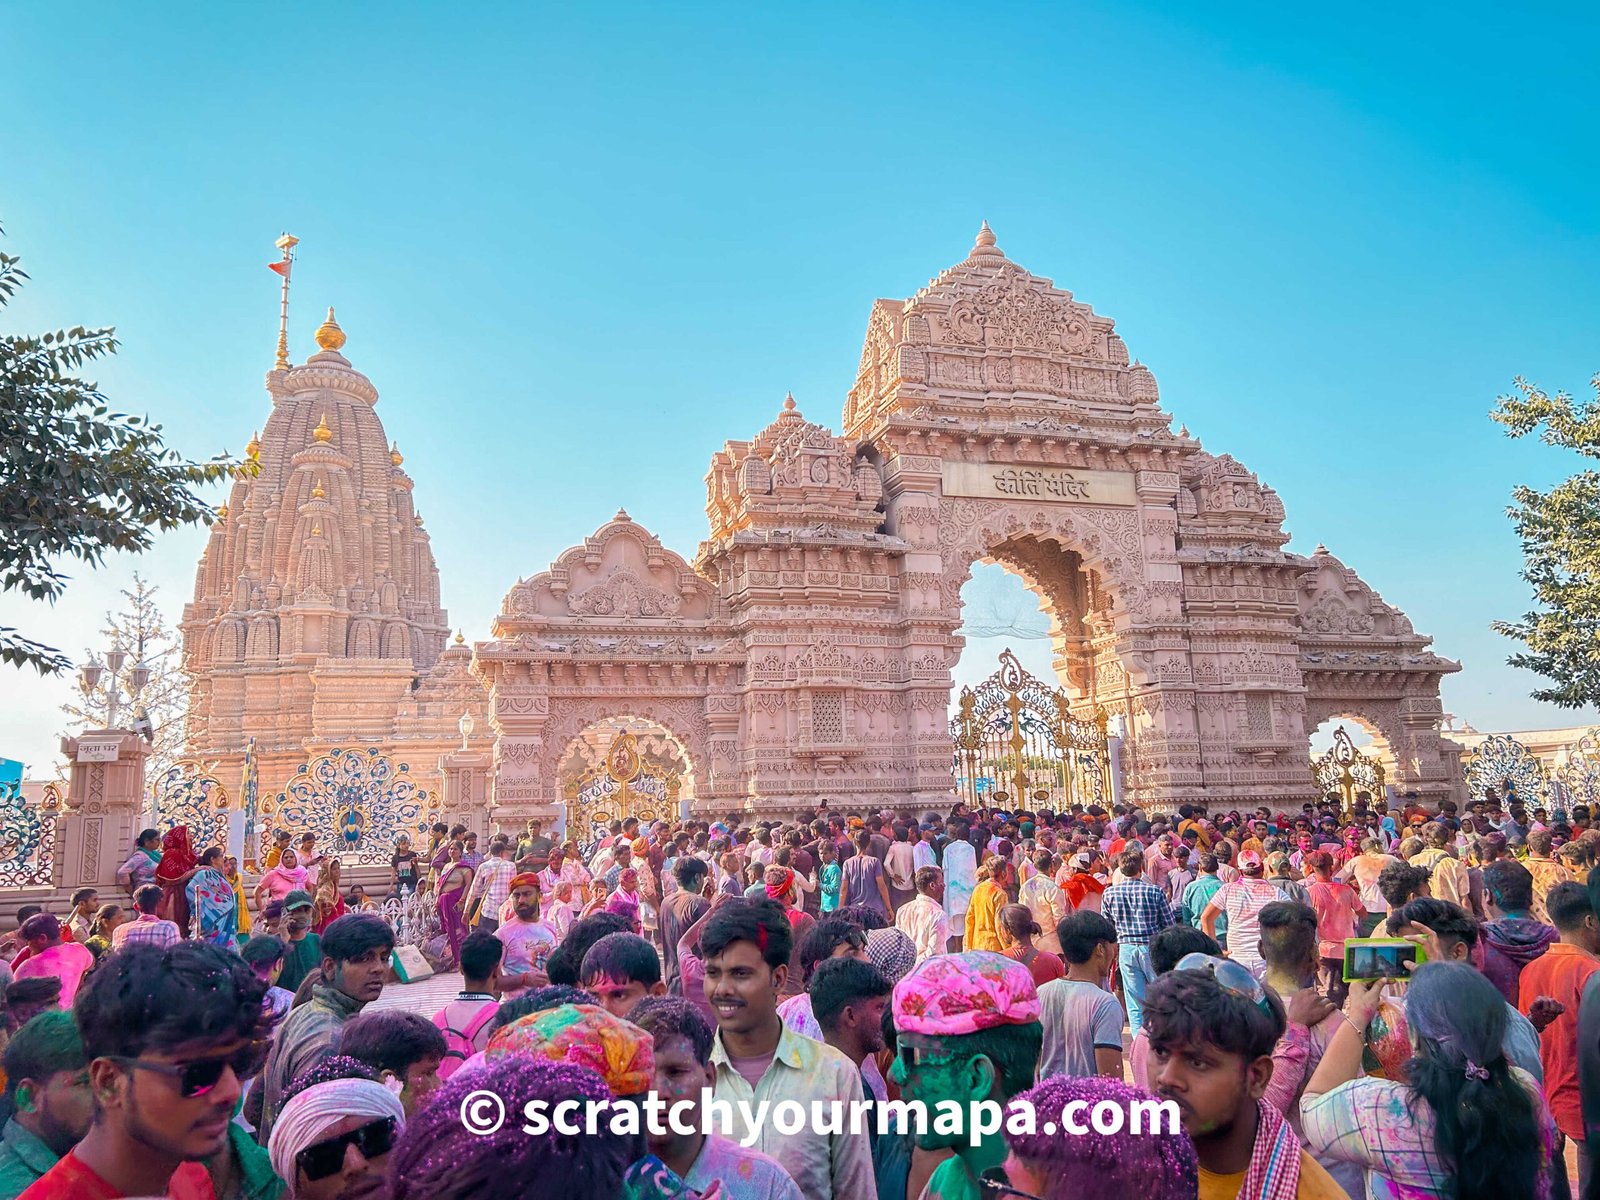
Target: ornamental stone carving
[[624, 594], [805, 651]]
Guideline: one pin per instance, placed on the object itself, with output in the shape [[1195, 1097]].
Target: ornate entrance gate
[[356, 802], [622, 786], [1016, 738], [1346, 772]]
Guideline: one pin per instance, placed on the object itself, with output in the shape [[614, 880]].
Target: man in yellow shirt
[[1212, 1028], [983, 912]]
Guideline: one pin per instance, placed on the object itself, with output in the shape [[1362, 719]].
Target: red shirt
[[1044, 967], [1560, 973], [69, 1179], [1336, 905]]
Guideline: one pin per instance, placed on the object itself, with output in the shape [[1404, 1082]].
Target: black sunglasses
[[373, 1140], [199, 1077]]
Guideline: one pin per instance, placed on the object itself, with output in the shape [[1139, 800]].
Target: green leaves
[[76, 478], [1560, 535]]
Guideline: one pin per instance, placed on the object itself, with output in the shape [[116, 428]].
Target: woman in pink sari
[[454, 877], [288, 876], [178, 865]]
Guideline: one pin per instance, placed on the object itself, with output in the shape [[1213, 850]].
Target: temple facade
[[316, 624], [804, 652]]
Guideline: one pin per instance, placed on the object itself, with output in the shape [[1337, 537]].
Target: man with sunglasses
[[355, 964], [332, 1140], [168, 1034], [1212, 1027]]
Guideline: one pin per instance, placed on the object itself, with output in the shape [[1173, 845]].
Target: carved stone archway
[[618, 626], [1361, 657], [807, 654]]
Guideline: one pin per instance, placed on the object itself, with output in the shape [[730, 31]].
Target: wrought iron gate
[[622, 786], [1346, 772], [1578, 779], [1016, 739], [1509, 768], [356, 802], [186, 793], [28, 837]]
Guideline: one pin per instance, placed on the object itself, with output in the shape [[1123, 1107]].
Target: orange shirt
[[1560, 973]]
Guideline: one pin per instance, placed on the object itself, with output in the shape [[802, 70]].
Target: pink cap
[[954, 994], [1249, 858]]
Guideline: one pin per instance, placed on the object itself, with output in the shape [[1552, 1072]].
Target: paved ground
[[425, 997]]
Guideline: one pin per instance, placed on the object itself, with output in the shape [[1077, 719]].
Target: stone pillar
[[466, 789], [104, 800]]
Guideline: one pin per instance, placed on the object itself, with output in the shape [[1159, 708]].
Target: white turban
[[308, 1116]]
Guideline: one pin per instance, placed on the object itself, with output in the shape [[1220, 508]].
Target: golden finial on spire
[[283, 267], [222, 512], [253, 447], [459, 638], [322, 433], [417, 520], [316, 531], [316, 490], [329, 335], [394, 454]]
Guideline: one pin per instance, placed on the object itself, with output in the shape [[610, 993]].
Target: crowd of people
[[205, 1036]]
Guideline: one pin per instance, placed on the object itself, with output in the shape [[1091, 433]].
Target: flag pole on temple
[[283, 267]]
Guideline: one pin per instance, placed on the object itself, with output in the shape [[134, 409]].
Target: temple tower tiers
[[316, 617]]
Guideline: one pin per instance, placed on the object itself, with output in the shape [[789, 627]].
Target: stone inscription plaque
[[998, 481]]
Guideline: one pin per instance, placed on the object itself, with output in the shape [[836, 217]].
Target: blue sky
[[578, 248]]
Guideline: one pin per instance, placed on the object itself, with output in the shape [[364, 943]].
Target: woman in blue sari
[[213, 904]]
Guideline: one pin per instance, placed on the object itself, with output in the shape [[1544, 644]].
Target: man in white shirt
[[923, 918], [1241, 902], [960, 877], [923, 854], [1046, 901]]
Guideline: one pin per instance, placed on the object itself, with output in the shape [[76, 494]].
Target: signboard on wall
[[1000, 481], [99, 749]]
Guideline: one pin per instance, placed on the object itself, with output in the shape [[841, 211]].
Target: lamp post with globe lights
[[135, 679]]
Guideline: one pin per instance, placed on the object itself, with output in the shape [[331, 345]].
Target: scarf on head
[[177, 855], [780, 881], [1274, 1172], [308, 1116]]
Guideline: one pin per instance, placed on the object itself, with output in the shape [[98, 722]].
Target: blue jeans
[[1133, 963]]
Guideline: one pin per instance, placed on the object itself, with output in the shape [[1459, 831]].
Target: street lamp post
[[135, 678]]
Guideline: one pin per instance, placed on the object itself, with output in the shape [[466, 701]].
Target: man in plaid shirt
[[1139, 910], [146, 928], [492, 882]]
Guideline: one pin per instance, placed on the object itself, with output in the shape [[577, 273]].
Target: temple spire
[[284, 267]]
